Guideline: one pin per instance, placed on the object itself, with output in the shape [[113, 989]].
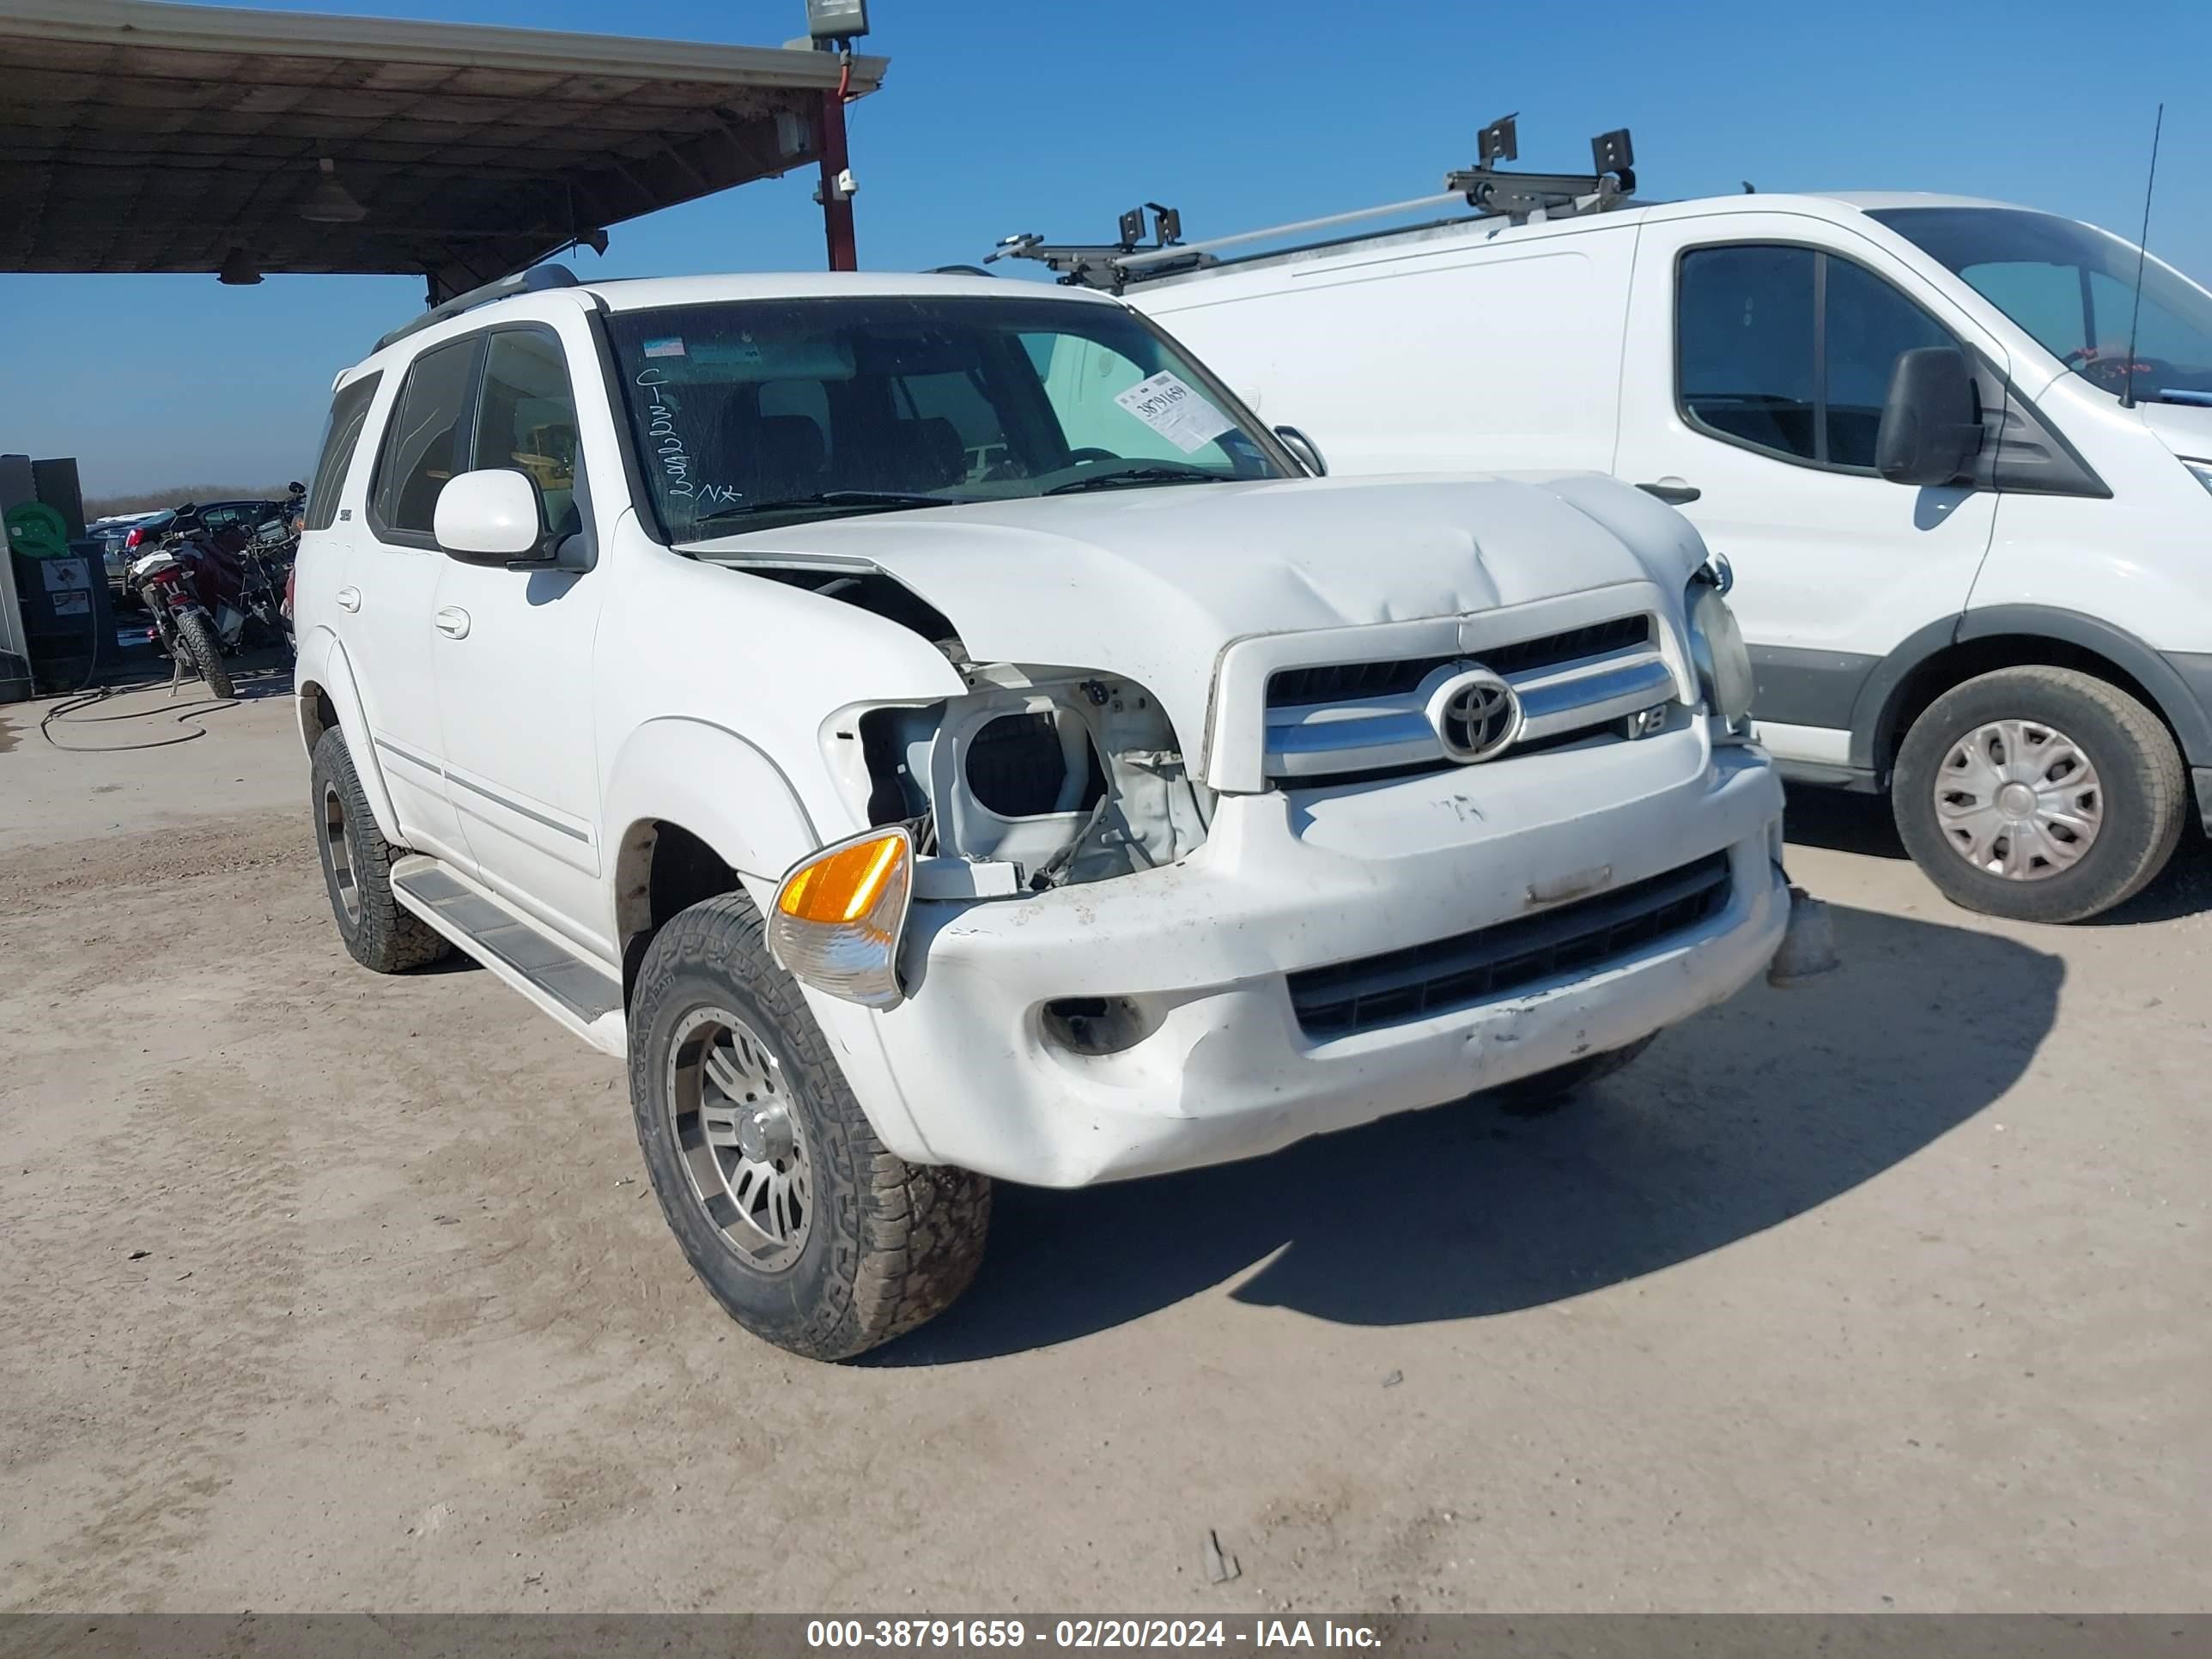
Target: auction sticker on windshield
[[1168, 404]]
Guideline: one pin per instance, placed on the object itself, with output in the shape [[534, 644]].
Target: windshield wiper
[[883, 498], [1136, 475]]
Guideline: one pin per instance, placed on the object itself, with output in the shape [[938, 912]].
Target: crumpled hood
[[2185, 430], [1152, 583]]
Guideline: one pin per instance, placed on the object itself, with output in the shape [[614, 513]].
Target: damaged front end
[[1037, 778]]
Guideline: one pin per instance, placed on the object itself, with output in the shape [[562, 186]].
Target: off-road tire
[[1547, 1091], [384, 936], [891, 1244], [204, 651], [2139, 772]]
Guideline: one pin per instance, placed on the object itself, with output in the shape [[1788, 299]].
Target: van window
[[527, 419], [341, 437], [1790, 351], [1866, 326], [1745, 334], [2073, 287], [423, 446]]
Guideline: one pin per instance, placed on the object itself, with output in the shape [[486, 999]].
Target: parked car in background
[[935, 733], [1967, 520], [123, 540]]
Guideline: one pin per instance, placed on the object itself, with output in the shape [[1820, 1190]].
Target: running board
[[546, 970]]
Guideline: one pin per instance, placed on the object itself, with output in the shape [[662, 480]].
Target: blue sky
[[1053, 117]]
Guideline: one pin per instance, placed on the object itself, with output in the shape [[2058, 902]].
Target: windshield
[[2073, 287], [752, 413]]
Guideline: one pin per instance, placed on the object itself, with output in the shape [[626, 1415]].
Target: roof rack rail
[[536, 279], [1521, 197]]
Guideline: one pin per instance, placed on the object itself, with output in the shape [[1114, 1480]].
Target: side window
[[341, 437], [1745, 340], [527, 419], [1866, 325], [423, 446], [1790, 351]]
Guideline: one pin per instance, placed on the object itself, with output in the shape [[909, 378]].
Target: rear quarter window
[[341, 437]]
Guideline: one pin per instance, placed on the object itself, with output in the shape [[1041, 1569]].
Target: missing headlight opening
[[1039, 778]]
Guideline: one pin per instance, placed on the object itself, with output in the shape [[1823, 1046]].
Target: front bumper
[[1289, 881]]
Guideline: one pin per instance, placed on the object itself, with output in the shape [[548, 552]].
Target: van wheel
[[2038, 794], [1547, 1091], [797, 1219], [381, 932]]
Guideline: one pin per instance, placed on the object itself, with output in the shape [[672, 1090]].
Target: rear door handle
[[453, 623], [1673, 491], [349, 598]]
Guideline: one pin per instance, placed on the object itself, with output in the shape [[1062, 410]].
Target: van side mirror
[[492, 516], [1305, 449], [1931, 422]]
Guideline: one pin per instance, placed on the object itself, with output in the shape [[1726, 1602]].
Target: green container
[[38, 531]]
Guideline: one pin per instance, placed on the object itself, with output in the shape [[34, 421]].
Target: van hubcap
[[2019, 800], [742, 1148]]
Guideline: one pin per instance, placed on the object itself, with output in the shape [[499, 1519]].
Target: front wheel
[[196, 638], [2038, 794], [803, 1225]]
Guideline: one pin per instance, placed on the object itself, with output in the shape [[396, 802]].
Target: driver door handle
[[452, 622], [349, 598], [1673, 491]]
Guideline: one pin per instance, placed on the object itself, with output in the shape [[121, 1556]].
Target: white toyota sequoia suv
[[934, 732]]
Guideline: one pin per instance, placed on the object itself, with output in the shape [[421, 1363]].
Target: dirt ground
[[322, 1290]]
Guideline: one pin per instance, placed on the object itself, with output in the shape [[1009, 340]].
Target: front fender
[[721, 788], [322, 666], [733, 797]]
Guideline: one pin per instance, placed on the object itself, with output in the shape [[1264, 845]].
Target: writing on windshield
[[749, 412]]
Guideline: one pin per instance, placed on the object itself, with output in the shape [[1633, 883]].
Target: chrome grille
[[1347, 721], [1351, 681], [1471, 968]]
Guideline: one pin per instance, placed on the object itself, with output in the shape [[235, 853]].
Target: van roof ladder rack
[[1518, 196]]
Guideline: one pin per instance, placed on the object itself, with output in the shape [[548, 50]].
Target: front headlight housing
[[2201, 471], [840, 914], [1722, 660]]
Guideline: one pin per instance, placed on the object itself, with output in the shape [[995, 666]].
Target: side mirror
[[1307, 451], [491, 516], [1931, 424]]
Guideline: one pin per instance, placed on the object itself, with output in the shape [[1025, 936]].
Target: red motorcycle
[[213, 592]]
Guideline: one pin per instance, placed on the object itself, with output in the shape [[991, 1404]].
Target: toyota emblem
[[1476, 716]]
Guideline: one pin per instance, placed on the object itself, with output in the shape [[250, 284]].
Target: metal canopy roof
[[138, 136]]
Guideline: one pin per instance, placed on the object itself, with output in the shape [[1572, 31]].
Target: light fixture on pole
[[238, 270], [330, 203]]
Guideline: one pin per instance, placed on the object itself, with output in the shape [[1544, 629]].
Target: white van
[[1971, 534]]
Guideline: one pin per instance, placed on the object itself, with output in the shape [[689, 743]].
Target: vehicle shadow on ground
[[1846, 823], [253, 677], [1745, 1117]]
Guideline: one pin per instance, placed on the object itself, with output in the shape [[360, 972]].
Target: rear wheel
[[803, 1225], [1547, 1091], [197, 636], [381, 933], [2040, 794]]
